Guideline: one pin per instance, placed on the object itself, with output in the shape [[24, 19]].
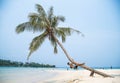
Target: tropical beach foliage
[[47, 24], [9, 63]]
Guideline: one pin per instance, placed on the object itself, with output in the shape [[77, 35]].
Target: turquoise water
[[24, 75]]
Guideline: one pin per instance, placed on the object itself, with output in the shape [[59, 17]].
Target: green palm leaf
[[50, 14], [61, 18], [33, 18], [24, 26], [36, 43], [64, 31], [37, 21], [54, 44], [56, 19], [41, 10], [68, 31]]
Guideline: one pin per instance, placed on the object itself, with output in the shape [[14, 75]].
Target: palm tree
[[47, 24]]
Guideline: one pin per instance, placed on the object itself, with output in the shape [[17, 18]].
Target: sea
[[24, 74], [29, 74]]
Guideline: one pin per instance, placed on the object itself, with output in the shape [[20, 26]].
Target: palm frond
[[50, 14], [36, 43], [64, 31], [29, 27], [68, 31], [33, 18], [54, 44], [41, 10], [54, 22], [63, 38], [61, 18], [56, 19], [60, 33], [29, 54], [24, 26], [37, 21]]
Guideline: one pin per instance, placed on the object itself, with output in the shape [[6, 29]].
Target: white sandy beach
[[82, 76]]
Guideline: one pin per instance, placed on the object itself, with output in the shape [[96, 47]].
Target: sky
[[98, 20]]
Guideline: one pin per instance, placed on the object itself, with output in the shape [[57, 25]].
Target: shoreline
[[55, 75]]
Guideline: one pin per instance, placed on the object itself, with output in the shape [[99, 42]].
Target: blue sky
[[99, 20]]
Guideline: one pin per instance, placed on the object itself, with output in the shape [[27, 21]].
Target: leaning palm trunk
[[81, 64]]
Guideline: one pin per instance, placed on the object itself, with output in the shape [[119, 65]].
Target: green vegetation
[[9, 63], [47, 24]]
